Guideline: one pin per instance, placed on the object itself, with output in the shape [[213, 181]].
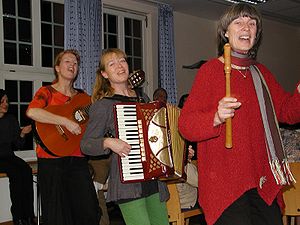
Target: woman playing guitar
[[67, 191]]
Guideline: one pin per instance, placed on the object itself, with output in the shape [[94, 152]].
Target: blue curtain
[[167, 68], [83, 31]]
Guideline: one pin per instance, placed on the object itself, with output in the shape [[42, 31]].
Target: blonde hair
[[58, 60], [102, 87]]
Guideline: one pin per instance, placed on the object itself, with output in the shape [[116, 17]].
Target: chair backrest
[[3, 175], [173, 204], [174, 210], [291, 193]]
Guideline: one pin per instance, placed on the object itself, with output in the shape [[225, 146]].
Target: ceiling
[[286, 11]]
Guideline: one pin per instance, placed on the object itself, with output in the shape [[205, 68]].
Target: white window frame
[[121, 29], [35, 73], [150, 53], [37, 83], [36, 70], [39, 74]]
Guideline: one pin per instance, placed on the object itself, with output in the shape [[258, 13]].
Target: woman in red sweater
[[240, 185]]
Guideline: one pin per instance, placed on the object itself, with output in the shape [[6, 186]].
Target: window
[[125, 30], [17, 22], [33, 32], [52, 24], [110, 33], [20, 95], [134, 42]]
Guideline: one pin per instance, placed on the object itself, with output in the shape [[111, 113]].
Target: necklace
[[243, 74], [240, 69]]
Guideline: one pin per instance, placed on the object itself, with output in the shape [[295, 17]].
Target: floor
[[116, 217]]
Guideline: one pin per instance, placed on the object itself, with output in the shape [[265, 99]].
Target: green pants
[[145, 211]]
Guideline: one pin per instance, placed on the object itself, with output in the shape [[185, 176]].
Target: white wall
[[280, 52], [195, 40]]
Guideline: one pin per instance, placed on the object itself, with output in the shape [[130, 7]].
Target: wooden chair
[[291, 196], [176, 215]]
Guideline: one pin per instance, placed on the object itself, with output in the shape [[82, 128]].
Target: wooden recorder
[[227, 69]]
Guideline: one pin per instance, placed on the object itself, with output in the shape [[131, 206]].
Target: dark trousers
[[67, 192], [20, 185], [251, 209]]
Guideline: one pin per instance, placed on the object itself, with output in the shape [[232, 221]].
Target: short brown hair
[[232, 13]]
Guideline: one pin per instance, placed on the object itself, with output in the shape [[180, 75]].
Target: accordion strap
[[123, 98]]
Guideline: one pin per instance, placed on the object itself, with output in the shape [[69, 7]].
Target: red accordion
[[146, 127]]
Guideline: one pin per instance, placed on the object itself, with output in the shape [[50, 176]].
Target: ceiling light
[[254, 2]]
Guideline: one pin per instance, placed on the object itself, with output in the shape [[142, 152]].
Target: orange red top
[[46, 96]]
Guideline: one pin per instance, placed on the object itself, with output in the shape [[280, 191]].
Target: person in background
[[189, 144], [239, 185], [18, 171], [67, 192], [291, 141], [160, 94], [141, 203], [101, 166], [188, 190]]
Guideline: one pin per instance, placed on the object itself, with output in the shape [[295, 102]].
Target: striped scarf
[[276, 154]]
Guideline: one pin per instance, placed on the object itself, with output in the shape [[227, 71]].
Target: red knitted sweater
[[224, 175]]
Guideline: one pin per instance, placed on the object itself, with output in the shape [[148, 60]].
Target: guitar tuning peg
[[137, 78]]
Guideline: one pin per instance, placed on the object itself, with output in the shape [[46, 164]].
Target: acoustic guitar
[[57, 140]]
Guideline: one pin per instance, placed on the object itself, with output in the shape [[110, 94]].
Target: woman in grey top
[[141, 203]]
